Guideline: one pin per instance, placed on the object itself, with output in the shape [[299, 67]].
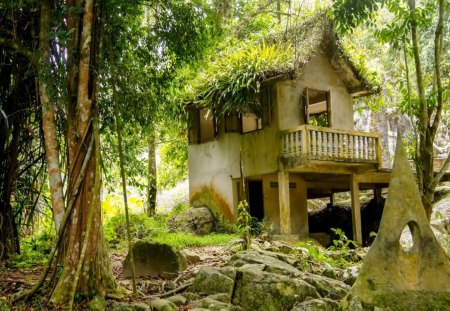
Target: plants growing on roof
[[232, 81]]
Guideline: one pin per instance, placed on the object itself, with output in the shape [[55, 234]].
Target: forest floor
[[13, 280]]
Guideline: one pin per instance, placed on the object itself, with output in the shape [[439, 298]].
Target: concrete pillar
[[356, 209], [284, 202], [299, 208], [377, 195]]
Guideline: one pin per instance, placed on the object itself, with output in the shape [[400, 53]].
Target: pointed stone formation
[[391, 276]]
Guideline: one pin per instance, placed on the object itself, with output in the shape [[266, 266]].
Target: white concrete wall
[[214, 165], [317, 74]]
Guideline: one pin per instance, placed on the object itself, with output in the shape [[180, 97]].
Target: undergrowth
[[34, 250], [157, 229], [342, 254]]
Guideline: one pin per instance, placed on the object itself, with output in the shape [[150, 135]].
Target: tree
[[425, 93], [159, 40], [77, 34], [21, 156]]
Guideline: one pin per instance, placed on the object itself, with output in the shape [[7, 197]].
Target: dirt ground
[[13, 281]]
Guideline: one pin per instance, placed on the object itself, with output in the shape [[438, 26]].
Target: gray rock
[[121, 306], [270, 260], [327, 288], [260, 290], [163, 305], [190, 256], [178, 300], [198, 220], [153, 259], [213, 305], [211, 280], [329, 272], [323, 304], [441, 229], [392, 276], [350, 274], [220, 297], [191, 296]]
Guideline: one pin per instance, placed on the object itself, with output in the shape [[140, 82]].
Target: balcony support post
[[356, 209], [284, 202]]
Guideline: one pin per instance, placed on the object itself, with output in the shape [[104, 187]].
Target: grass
[[157, 229], [183, 240]]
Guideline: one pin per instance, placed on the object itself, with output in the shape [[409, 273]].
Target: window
[[242, 123], [250, 122], [316, 106], [207, 132], [232, 123], [202, 127]]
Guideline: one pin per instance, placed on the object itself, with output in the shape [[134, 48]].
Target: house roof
[[310, 36], [231, 82]]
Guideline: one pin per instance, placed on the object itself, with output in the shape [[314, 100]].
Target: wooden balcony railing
[[307, 142]]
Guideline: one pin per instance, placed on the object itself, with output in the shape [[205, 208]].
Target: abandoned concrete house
[[302, 146]]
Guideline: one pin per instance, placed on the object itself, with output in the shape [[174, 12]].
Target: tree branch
[[440, 174], [438, 40], [20, 49]]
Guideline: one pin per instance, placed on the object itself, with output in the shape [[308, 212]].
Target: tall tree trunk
[[151, 175], [48, 118], [95, 276]]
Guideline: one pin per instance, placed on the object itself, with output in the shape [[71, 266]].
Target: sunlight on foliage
[[231, 81]]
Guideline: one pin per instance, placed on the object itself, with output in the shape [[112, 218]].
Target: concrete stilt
[[356, 209]]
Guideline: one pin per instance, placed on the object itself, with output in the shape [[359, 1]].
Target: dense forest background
[[93, 96]]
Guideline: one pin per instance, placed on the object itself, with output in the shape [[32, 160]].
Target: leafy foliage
[[231, 82]]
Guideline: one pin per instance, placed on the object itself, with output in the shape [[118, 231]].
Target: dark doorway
[[256, 199]]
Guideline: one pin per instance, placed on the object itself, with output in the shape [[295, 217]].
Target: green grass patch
[[157, 229], [183, 240]]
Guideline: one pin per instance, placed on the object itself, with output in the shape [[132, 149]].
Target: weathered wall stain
[[208, 196]]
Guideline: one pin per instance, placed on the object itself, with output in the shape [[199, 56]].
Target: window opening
[[207, 126], [317, 107]]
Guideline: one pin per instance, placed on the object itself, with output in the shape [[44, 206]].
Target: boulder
[[262, 280], [327, 287], [198, 220], [163, 305], [260, 290], [211, 280], [178, 300], [350, 274], [213, 305], [121, 306], [190, 256], [274, 262], [396, 277], [441, 229], [323, 304], [153, 259]]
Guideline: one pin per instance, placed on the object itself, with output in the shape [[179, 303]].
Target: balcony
[[308, 144]]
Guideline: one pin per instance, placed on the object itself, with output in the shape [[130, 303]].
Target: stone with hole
[[154, 259], [415, 277]]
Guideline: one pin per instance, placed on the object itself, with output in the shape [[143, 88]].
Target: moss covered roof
[[317, 34], [231, 82]]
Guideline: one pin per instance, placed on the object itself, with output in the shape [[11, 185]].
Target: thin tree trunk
[[151, 175], [48, 118], [425, 154], [124, 182]]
